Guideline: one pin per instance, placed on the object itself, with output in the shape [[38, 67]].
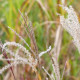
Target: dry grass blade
[[5, 55], [48, 22], [7, 76], [43, 8], [33, 38], [58, 41], [64, 70], [22, 40], [54, 54], [30, 33]]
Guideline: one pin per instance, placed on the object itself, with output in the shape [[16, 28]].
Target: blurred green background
[[39, 13]]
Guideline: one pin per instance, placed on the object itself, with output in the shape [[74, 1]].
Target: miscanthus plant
[[72, 25], [21, 55], [32, 57]]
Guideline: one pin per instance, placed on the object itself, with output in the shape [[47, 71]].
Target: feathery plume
[[72, 25]]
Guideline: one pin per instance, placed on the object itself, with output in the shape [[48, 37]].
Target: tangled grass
[[32, 57]]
